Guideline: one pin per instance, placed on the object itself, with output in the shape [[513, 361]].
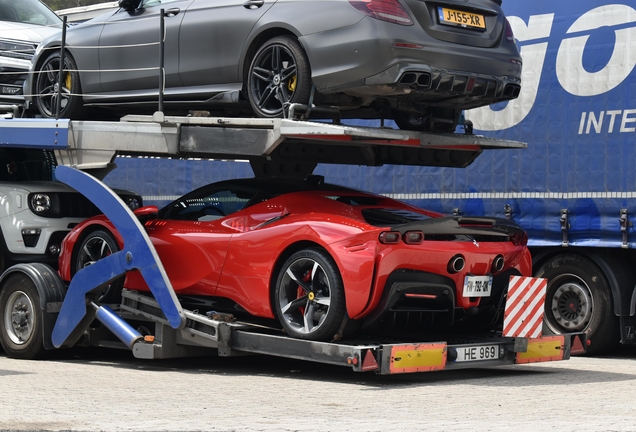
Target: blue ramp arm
[[137, 253]]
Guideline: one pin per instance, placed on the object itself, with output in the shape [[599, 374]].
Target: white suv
[[36, 212], [23, 25]]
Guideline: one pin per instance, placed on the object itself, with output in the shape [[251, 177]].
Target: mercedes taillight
[[384, 10]]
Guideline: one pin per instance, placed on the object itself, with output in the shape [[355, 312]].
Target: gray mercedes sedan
[[418, 62]]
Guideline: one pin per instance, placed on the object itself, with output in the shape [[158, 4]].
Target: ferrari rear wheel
[[309, 296], [49, 88], [98, 245], [278, 75]]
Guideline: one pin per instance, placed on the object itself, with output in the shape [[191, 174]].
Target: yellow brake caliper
[[291, 84], [68, 82]]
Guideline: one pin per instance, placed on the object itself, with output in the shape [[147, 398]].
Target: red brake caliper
[[300, 292]]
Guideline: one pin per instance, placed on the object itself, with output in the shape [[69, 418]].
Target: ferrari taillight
[[384, 10], [413, 237], [390, 237], [519, 238]]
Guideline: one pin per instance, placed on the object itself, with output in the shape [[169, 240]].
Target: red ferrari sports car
[[318, 257]]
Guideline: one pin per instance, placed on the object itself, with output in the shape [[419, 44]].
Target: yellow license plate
[[459, 18]]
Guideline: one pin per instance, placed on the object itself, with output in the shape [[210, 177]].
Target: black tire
[[47, 88], [440, 121], [3, 260], [279, 74], [309, 296], [97, 245], [579, 299], [21, 318]]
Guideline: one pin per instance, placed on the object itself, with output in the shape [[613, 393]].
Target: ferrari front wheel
[[309, 296], [96, 246]]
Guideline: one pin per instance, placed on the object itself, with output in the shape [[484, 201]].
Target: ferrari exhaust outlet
[[498, 264], [456, 264]]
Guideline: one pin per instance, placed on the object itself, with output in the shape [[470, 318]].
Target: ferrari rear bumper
[[417, 301]]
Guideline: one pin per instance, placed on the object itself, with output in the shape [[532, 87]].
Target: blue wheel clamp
[[137, 253]]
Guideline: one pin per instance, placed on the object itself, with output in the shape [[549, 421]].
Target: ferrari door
[[192, 236]]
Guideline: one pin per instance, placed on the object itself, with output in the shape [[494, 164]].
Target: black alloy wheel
[[279, 75], [309, 296], [48, 88]]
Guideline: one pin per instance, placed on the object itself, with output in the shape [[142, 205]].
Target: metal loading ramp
[[273, 146]]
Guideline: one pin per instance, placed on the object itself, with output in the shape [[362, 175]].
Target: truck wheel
[[578, 299], [98, 245], [309, 297], [279, 74], [21, 318]]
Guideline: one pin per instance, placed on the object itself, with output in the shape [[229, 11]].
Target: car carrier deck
[[274, 147], [222, 334]]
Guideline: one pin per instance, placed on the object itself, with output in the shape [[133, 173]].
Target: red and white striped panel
[[523, 316]]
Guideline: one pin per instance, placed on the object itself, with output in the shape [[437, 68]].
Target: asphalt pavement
[[107, 390]]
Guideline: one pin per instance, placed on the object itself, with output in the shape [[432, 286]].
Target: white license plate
[[477, 286], [476, 353]]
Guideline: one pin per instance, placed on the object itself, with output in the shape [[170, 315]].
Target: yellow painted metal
[[547, 348], [418, 358]]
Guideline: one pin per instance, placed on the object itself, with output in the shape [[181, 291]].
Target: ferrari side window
[[258, 198], [214, 205]]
